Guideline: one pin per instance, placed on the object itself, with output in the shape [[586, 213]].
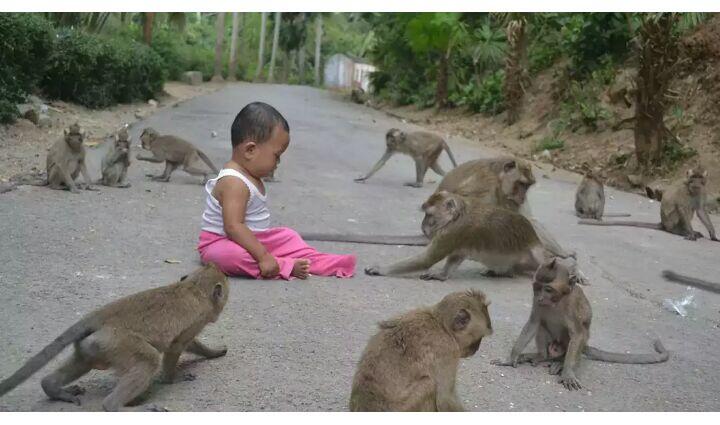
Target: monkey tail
[[449, 152], [76, 332], [617, 215], [207, 161], [687, 280], [655, 226], [367, 239], [662, 355]]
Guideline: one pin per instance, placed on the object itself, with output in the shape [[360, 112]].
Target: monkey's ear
[[461, 320], [509, 165], [450, 204], [573, 280], [690, 172], [217, 292]]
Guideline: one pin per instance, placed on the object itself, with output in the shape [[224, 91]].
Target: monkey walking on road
[[678, 206], [560, 322], [135, 335], [423, 147], [692, 281], [411, 363], [175, 152]]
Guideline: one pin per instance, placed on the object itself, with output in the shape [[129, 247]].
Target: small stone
[[153, 103], [213, 133]]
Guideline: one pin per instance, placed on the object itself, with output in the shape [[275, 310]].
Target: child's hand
[[269, 266]]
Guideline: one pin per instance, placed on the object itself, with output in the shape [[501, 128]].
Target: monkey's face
[[147, 137], [551, 284], [441, 209], [74, 138], [695, 182], [468, 319], [515, 181], [123, 147], [394, 138]]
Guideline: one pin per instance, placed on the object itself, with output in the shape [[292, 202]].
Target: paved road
[[294, 345]]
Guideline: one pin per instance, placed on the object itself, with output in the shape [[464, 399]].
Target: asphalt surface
[[294, 345]]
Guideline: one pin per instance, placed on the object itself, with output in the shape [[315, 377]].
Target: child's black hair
[[256, 122]]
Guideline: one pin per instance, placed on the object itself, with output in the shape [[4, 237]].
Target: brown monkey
[[560, 322], [590, 198], [679, 203], [66, 159], [423, 147], [501, 239], [692, 281], [411, 363], [116, 161], [132, 335], [175, 152]]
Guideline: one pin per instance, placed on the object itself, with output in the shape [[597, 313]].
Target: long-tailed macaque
[[423, 147], [136, 336], [175, 152], [590, 198], [66, 159], [679, 204], [411, 363], [116, 161], [560, 323]]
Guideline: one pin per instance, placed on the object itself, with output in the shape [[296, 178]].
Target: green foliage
[[433, 32], [98, 72], [550, 143], [674, 153], [582, 107], [25, 41], [588, 39], [487, 46], [486, 97]]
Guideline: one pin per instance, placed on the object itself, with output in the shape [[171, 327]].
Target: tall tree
[[301, 50], [219, 38], [318, 45], [148, 27], [516, 73], [261, 47], [657, 64], [276, 38], [232, 66]]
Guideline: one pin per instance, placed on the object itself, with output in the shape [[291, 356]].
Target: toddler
[[236, 233]]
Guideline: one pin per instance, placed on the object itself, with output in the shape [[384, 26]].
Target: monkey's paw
[[571, 383], [414, 184], [188, 376], [373, 271], [498, 362], [74, 389], [692, 237], [360, 180], [433, 276], [556, 368], [154, 408]]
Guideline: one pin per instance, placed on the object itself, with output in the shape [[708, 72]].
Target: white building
[[345, 72]]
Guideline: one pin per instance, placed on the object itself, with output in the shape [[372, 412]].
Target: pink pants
[[283, 243]]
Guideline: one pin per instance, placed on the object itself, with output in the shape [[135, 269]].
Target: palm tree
[[220, 35], [261, 48], [318, 45], [276, 38], [516, 73], [232, 66]]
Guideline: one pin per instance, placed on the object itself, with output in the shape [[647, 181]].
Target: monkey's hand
[[434, 276], [691, 237], [414, 184], [360, 179], [714, 238], [511, 362], [569, 381], [373, 271]]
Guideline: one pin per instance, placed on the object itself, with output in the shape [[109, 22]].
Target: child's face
[[262, 159]]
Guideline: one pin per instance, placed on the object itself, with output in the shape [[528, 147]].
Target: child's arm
[[233, 196]]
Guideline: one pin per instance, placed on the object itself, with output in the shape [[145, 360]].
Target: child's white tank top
[[257, 215]]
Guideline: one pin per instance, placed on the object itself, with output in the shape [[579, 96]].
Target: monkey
[[411, 363], [679, 203], [692, 281], [560, 322], [116, 161], [65, 160], [590, 198], [652, 193], [501, 239], [130, 335], [175, 152], [423, 147]]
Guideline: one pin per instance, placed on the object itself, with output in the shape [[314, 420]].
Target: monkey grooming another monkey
[[175, 152], [590, 198], [411, 363], [116, 162], [679, 203], [500, 239], [692, 281], [423, 147], [65, 160], [560, 322], [135, 335]]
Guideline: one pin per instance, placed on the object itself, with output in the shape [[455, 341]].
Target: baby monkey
[[590, 197], [175, 152], [423, 147], [560, 322], [116, 162], [411, 363]]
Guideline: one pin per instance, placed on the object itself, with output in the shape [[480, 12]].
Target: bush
[[582, 106], [97, 73], [486, 97], [25, 42]]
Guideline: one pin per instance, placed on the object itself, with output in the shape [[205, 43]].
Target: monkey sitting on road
[[66, 159], [411, 363], [692, 281], [116, 162], [423, 147], [590, 198], [500, 239], [678, 206], [175, 152], [136, 336], [560, 322]]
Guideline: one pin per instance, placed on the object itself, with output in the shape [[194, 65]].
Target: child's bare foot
[[301, 269]]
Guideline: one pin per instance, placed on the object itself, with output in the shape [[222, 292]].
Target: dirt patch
[[23, 146]]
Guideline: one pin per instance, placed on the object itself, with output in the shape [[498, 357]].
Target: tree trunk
[[301, 53], [516, 77], [657, 62], [441, 91], [219, 38], [318, 45], [148, 27], [261, 48], [232, 66], [273, 53]]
